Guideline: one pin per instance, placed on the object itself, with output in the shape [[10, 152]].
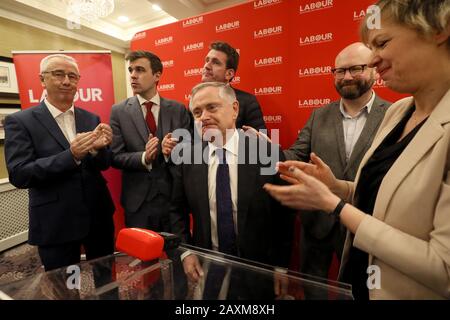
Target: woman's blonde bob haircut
[[427, 17]]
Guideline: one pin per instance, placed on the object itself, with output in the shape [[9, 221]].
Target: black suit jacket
[[250, 113], [264, 226], [64, 198]]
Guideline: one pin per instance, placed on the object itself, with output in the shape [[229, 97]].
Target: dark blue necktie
[[225, 224]]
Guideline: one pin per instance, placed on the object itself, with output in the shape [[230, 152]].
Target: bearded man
[[340, 134]]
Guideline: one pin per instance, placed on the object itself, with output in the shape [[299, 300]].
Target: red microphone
[[145, 244]]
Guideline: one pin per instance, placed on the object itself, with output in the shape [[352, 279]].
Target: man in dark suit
[[58, 151], [223, 188], [139, 124], [340, 134], [221, 64]]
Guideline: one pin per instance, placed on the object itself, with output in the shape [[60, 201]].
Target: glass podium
[[122, 277]]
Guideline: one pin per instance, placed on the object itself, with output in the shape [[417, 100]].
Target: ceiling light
[[90, 9], [156, 7], [123, 19]]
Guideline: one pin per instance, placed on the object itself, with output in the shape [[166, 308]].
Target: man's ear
[[229, 74], [235, 109], [157, 75], [41, 77], [443, 36]]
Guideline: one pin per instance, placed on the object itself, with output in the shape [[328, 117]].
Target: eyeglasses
[[61, 75], [339, 73]]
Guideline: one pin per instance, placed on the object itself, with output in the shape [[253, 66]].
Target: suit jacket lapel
[[373, 120], [339, 131], [45, 117], [247, 173], [80, 123], [425, 139], [135, 111], [164, 118], [200, 187]]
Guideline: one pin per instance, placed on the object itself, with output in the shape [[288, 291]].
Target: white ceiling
[[108, 32]]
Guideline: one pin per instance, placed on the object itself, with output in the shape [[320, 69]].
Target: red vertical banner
[[95, 94], [287, 49]]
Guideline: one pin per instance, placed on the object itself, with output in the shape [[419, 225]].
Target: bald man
[[339, 133]]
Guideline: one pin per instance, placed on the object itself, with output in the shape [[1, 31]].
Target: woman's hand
[[306, 191], [316, 168]]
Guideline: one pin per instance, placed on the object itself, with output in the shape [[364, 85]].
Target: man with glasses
[[57, 151], [340, 134]]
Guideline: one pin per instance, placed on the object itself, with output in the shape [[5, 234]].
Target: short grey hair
[[46, 61], [225, 91], [425, 17]]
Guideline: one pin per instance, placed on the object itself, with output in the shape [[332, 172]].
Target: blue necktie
[[225, 224]]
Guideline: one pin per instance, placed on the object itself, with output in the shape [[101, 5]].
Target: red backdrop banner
[[287, 49], [95, 94]]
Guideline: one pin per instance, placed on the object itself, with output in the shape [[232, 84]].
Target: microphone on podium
[[145, 244]]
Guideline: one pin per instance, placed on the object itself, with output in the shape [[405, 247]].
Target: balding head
[[352, 77], [355, 54]]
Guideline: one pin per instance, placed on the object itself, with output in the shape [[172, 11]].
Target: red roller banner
[[95, 94], [287, 49]]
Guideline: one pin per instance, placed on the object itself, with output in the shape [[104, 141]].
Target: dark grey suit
[[145, 194], [323, 134]]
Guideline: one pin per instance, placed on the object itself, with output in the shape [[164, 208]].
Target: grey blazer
[[130, 134], [323, 134]]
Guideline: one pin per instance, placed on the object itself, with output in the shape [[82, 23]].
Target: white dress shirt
[[65, 120], [353, 126]]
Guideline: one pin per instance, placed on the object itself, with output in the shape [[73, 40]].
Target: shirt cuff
[[78, 162], [148, 166], [281, 270], [185, 254]]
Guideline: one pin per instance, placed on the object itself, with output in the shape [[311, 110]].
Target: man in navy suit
[[57, 151], [221, 64]]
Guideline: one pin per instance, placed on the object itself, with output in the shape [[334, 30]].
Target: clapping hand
[[151, 148], [104, 136]]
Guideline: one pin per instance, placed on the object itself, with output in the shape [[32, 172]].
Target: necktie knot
[[148, 105], [221, 155]]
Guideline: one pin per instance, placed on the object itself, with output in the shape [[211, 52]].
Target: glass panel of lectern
[[123, 277]]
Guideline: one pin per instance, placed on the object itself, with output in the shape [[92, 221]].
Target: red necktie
[[149, 117]]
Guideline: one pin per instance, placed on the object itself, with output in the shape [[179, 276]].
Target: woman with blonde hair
[[397, 211]]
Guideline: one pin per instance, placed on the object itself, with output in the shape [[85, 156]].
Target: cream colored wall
[[3, 172], [18, 36]]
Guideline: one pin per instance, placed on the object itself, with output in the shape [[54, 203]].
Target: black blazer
[[264, 226], [64, 198], [250, 113]]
